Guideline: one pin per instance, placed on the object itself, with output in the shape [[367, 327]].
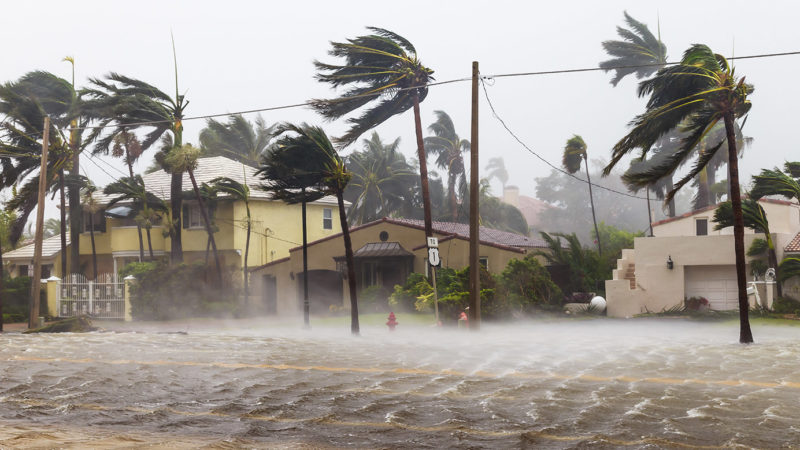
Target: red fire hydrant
[[392, 321]]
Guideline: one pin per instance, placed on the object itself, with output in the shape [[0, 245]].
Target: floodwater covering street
[[554, 384]]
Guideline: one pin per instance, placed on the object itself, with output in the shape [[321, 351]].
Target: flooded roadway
[[571, 384]]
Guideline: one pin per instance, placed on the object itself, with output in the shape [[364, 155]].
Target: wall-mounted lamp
[[670, 264]]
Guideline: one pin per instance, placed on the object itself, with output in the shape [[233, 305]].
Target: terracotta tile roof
[[207, 169], [50, 248], [794, 245]]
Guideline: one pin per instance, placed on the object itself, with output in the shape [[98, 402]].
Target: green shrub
[[406, 295], [786, 305], [373, 299], [526, 286], [16, 294], [163, 292]]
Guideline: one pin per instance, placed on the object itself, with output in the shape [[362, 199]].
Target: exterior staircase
[[630, 275]]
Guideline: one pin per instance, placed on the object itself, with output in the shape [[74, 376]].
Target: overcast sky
[[236, 55]]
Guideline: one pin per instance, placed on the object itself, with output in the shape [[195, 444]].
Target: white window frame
[[327, 218], [195, 216]]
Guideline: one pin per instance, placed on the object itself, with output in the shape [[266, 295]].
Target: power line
[[503, 123]]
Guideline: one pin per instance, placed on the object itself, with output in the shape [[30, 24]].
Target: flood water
[[566, 384]]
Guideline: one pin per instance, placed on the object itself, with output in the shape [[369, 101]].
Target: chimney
[[511, 195]]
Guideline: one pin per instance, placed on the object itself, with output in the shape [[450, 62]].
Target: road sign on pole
[[433, 242], [433, 257]]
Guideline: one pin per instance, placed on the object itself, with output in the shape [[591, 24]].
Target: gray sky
[[237, 55]]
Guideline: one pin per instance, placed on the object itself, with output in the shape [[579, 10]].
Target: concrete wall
[[783, 218], [657, 287]]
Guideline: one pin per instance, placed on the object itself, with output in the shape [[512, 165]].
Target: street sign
[[433, 257], [433, 242]]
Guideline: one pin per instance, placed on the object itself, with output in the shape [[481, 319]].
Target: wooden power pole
[[474, 229], [36, 283]]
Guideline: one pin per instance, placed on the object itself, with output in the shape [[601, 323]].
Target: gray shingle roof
[[207, 169], [50, 247], [489, 235]]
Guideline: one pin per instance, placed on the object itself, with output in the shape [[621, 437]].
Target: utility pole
[[474, 229], [36, 282]]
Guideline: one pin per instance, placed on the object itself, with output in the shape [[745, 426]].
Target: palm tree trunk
[[176, 204], [745, 334], [63, 224], [306, 307], [208, 227], [138, 227], [2, 275], [649, 212], [426, 196], [351, 271], [591, 202], [671, 204], [451, 190], [150, 244], [246, 254], [94, 249], [773, 261]]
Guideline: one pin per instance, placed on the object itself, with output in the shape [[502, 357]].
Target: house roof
[[774, 201], [380, 250], [794, 245], [207, 169], [487, 235], [50, 248]]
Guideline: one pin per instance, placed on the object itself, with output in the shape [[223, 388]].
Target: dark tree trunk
[[138, 227], [94, 249], [305, 265], [649, 212], [246, 254], [176, 203], [745, 334], [671, 204], [351, 271], [423, 169], [63, 223], [591, 202], [75, 211], [209, 230], [149, 244], [2, 275]]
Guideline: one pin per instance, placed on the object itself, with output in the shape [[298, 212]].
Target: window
[[98, 219], [701, 226], [484, 262], [192, 217], [369, 275], [327, 218]]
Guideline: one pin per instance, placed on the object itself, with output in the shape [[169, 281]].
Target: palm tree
[[380, 177], [237, 139], [241, 192], [638, 53], [497, 169], [305, 159], [129, 104], [91, 206], [754, 218], [184, 159], [574, 154], [776, 182], [382, 68], [448, 147], [127, 146], [145, 206], [702, 90]]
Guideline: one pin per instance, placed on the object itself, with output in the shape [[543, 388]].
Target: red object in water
[[463, 316], [392, 321]]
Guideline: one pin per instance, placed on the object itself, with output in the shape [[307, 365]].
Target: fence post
[[127, 305], [53, 286]]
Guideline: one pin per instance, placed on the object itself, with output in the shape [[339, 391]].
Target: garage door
[[716, 283]]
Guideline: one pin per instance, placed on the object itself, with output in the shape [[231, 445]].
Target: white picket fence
[[103, 298]]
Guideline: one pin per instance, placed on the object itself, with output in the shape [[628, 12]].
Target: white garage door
[[716, 283]]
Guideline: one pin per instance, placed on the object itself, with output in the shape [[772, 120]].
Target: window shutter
[[101, 222], [185, 219]]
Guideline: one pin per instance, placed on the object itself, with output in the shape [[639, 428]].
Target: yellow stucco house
[[386, 251], [276, 226], [702, 262]]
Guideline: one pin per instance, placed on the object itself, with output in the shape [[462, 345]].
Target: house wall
[[657, 287], [454, 254], [783, 218]]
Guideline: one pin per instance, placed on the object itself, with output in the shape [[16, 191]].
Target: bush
[[406, 295], [786, 305], [696, 304], [373, 299], [16, 292], [164, 292], [526, 286]]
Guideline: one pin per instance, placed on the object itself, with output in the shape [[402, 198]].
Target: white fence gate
[[103, 298]]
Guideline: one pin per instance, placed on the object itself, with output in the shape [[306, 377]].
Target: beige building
[[687, 258], [386, 252]]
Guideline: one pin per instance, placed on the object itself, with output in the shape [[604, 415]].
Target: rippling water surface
[[573, 384]]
